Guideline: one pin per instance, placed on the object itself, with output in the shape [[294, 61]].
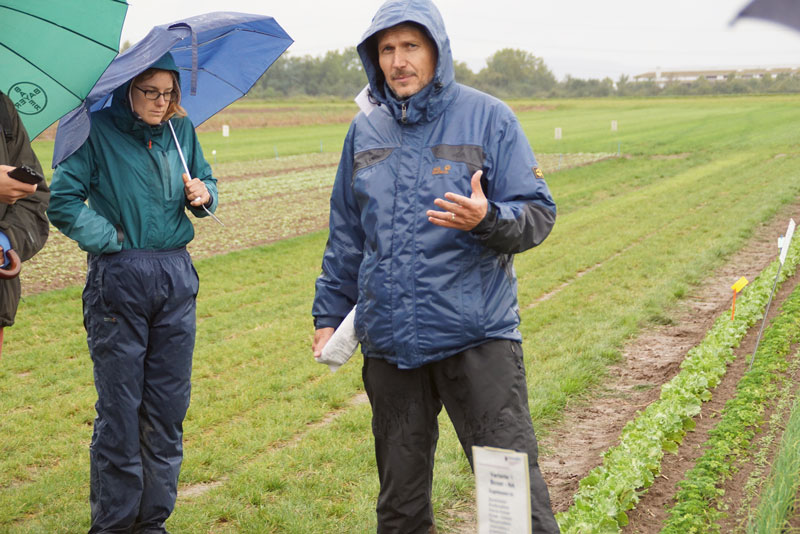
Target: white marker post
[[558, 136], [503, 489], [784, 244], [226, 130], [613, 126]]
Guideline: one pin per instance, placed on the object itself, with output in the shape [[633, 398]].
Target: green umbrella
[[53, 52]]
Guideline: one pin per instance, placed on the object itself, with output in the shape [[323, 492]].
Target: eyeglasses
[[153, 95]]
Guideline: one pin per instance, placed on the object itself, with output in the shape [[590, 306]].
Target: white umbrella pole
[[186, 168]]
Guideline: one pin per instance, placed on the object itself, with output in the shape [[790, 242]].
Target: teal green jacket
[[131, 175]]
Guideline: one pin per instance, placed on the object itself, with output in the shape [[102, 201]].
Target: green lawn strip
[[664, 125], [591, 235], [260, 186], [779, 493], [266, 143], [326, 482], [275, 167], [258, 377], [610, 489], [696, 509], [584, 187]]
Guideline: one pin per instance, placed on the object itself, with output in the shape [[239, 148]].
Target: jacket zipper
[[403, 108]]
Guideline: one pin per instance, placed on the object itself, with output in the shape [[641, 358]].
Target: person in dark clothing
[[23, 223], [141, 288], [437, 189]]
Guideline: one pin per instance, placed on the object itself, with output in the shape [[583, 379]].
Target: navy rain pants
[[484, 391], [139, 314]]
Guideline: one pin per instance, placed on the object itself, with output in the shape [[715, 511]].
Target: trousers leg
[[167, 387], [404, 423], [116, 330], [485, 394]]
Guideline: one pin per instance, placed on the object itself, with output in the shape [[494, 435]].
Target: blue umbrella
[[220, 56], [781, 11]]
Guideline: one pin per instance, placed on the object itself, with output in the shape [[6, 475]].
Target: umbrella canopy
[[781, 11], [220, 57], [52, 53]]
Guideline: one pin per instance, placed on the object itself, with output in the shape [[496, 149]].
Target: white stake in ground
[[186, 168], [784, 245]]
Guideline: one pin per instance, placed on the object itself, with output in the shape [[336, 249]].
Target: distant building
[[712, 75]]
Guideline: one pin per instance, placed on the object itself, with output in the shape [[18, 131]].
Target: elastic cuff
[[327, 321], [488, 222]]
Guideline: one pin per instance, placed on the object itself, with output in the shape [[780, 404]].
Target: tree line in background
[[509, 73]]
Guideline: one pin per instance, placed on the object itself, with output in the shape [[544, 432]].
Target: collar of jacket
[[424, 106], [127, 121]]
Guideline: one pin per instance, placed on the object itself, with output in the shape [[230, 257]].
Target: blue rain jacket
[[131, 174], [425, 292]]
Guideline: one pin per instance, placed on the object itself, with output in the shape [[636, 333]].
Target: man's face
[[407, 58]]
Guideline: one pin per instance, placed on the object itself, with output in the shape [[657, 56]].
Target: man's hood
[[392, 13]]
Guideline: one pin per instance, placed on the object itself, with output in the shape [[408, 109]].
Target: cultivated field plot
[[656, 221]]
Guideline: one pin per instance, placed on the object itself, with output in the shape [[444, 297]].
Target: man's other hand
[[321, 338]]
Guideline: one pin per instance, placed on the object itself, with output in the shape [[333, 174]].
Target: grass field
[[274, 442]]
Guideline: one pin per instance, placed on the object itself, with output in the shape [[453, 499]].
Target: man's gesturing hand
[[461, 213]]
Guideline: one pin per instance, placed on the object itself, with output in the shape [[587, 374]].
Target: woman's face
[[159, 85]]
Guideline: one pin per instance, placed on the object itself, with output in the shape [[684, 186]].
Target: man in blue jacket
[[436, 189]]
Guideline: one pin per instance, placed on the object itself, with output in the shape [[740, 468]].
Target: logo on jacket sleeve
[[439, 170], [537, 172]]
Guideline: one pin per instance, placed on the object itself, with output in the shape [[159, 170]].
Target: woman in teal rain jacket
[[139, 299]]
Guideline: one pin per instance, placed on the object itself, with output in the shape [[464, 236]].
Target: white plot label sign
[[503, 490], [786, 241]]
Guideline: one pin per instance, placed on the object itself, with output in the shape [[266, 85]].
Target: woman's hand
[[195, 191]]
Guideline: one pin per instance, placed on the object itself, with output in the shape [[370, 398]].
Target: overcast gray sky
[[582, 38]]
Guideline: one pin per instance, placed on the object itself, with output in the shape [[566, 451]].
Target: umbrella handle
[[14, 266]]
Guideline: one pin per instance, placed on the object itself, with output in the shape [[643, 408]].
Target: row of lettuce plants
[[629, 468], [697, 507]]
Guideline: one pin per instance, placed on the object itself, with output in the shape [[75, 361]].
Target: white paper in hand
[[342, 344]]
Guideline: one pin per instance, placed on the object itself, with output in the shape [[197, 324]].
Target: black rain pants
[[485, 394], [139, 314]]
